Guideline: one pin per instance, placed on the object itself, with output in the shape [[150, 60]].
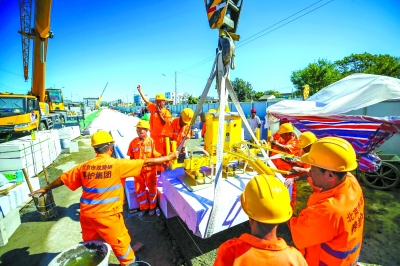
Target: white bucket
[[86, 253], [65, 143]]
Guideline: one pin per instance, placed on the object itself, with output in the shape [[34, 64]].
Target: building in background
[[90, 102], [182, 97], [137, 99]]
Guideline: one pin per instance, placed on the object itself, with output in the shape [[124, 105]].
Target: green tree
[[275, 93], [244, 90], [367, 63], [322, 73], [193, 100], [317, 75], [257, 95]]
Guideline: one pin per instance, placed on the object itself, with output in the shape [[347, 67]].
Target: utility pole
[[176, 87]]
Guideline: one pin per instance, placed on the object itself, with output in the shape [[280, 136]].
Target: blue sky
[[128, 42]]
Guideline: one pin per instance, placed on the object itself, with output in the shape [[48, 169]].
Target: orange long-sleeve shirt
[[329, 230], [139, 149], [251, 250], [102, 187], [174, 131], [156, 125]]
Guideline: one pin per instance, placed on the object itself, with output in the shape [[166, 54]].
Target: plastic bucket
[[89, 253], [45, 205], [64, 143]]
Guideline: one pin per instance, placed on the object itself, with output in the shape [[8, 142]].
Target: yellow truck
[[20, 114]]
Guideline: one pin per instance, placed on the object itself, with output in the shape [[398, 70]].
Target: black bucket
[[45, 205]]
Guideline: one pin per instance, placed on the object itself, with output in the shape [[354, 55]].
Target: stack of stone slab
[[69, 133], [32, 155]]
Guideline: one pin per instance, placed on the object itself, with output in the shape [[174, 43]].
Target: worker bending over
[[158, 118], [102, 198], [143, 147], [329, 231], [306, 139], [178, 129], [286, 141], [266, 201]]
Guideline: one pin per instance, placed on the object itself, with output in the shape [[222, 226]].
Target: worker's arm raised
[[139, 88], [160, 160]]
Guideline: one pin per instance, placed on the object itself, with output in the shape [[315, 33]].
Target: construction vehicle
[[22, 113], [97, 105], [55, 99]]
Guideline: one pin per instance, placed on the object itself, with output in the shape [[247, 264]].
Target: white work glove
[[289, 182]]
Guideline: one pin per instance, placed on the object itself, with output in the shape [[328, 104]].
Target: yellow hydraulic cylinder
[[173, 143], [265, 169], [167, 145], [258, 134]]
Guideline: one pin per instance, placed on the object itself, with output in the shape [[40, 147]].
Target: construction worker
[[255, 121], [287, 143], [158, 118], [143, 147], [329, 231], [102, 197], [178, 128], [306, 139], [266, 201]]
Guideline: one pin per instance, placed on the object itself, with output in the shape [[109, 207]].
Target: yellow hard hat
[[306, 139], [143, 124], [160, 97], [212, 111], [285, 128], [101, 137], [187, 115], [333, 154], [266, 200]]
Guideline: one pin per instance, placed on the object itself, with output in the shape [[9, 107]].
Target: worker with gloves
[[266, 201], [158, 118], [306, 139], [286, 141], [329, 231], [102, 198], [178, 129], [143, 147]]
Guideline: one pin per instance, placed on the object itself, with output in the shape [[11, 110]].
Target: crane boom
[[25, 10], [97, 106]]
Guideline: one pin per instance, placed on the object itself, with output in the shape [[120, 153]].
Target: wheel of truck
[[42, 126], [387, 176]]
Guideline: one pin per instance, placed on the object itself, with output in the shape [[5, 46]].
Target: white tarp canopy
[[351, 93]]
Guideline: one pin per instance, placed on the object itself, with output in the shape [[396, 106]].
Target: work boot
[[152, 212], [142, 213]]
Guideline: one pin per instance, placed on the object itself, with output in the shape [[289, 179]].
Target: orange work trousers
[[112, 230], [146, 198]]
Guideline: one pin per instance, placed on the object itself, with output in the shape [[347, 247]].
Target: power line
[[10, 72], [242, 44]]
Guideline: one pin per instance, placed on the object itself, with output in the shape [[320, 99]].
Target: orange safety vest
[[156, 125], [174, 131], [251, 250], [329, 231], [102, 187], [142, 150]]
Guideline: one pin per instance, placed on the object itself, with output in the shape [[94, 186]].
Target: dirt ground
[[168, 241]]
